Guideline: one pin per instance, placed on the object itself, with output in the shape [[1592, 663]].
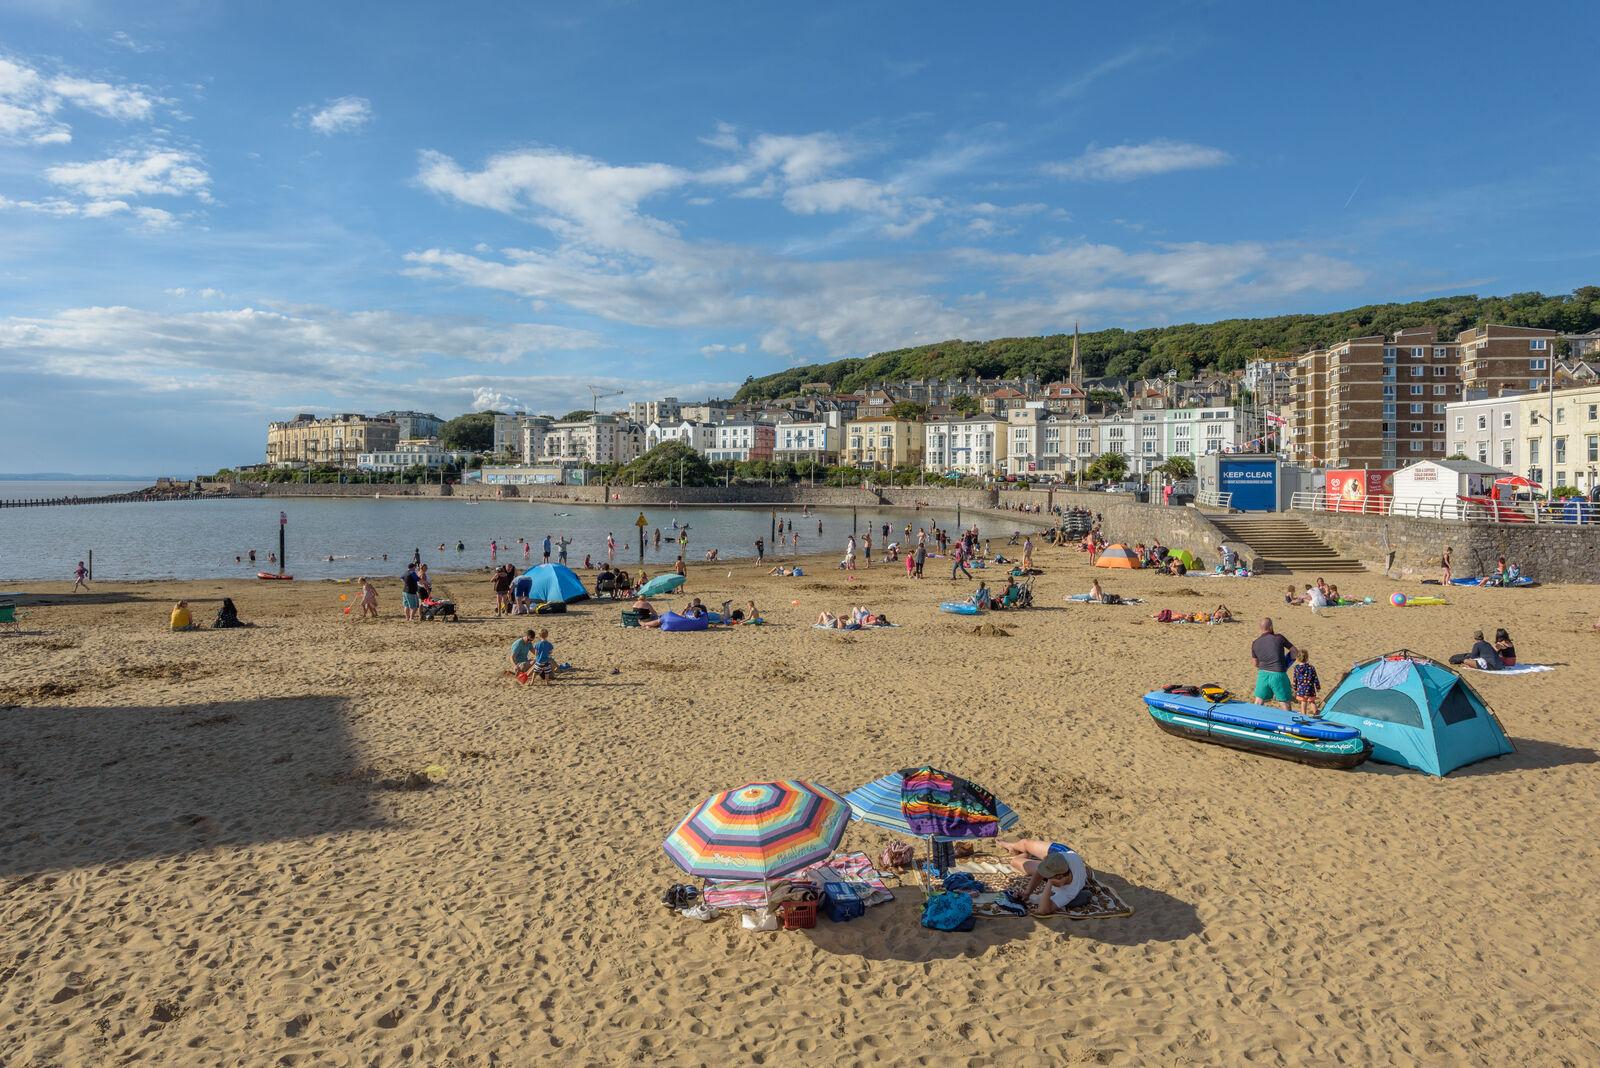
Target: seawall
[[1547, 552]]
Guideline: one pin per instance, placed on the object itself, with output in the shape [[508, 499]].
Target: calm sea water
[[199, 539], [29, 490]]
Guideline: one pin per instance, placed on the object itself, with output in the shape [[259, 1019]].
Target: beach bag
[[1180, 688], [897, 857], [948, 912], [1215, 694], [1113, 598]]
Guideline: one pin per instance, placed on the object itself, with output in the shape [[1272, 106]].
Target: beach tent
[[1184, 557], [550, 582], [1417, 713], [661, 584], [1117, 556]]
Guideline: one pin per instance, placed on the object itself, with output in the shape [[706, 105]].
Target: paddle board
[[1256, 717]]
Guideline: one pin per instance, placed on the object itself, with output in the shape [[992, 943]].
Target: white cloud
[[122, 39], [31, 103], [485, 399], [87, 209], [343, 114], [169, 172], [791, 157], [155, 218], [1080, 83], [282, 348], [1121, 163], [103, 98], [607, 257], [713, 351]]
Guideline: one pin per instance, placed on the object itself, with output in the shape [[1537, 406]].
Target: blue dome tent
[[550, 582], [1417, 713]]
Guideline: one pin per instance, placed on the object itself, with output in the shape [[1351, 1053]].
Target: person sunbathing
[[1057, 876], [694, 609], [1222, 615], [781, 570], [1096, 594], [829, 620]]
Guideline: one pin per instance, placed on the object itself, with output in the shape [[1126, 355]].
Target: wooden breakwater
[[140, 496]]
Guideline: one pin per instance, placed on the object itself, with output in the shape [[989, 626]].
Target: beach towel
[[938, 803], [1083, 598], [737, 894], [1519, 669], [1103, 903], [854, 870], [850, 629]]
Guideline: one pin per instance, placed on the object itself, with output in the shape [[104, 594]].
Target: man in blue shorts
[[1272, 654]]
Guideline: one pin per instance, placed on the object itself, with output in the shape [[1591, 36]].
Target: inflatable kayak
[[960, 608], [1259, 729], [1521, 581], [274, 576]]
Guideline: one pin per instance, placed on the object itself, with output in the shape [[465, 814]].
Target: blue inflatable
[[960, 608], [673, 621], [550, 582]]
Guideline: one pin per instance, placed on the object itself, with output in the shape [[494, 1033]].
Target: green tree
[[473, 432], [1177, 468], [909, 410], [1105, 400], [665, 463], [965, 405], [1108, 467], [577, 416]]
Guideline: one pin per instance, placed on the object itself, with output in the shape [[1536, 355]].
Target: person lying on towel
[[1057, 877]]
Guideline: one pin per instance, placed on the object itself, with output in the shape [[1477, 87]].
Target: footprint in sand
[[297, 1026]]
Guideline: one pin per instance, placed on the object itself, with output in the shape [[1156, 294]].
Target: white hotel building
[[975, 447], [1040, 442]]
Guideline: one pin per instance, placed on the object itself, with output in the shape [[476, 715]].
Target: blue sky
[[213, 215]]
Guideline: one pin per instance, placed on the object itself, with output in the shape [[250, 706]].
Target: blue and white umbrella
[[878, 803]]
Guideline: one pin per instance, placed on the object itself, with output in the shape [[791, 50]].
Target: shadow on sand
[[46, 600], [894, 931], [86, 786], [1532, 754]]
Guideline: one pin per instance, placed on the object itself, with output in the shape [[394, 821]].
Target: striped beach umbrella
[[759, 831], [880, 803]]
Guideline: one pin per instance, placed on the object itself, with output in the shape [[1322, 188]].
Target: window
[[1440, 391], [1416, 428], [1416, 409], [1505, 419], [1441, 354], [1438, 428], [1505, 454], [1461, 422], [1438, 409], [1593, 441], [1536, 474], [1561, 415], [1483, 452], [1561, 450], [1416, 391], [1537, 365], [1535, 383], [1441, 372], [1389, 352], [1533, 451], [1561, 478], [1416, 446], [1417, 372], [1594, 411], [1537, 345], [1483, 422], [1416, 353]]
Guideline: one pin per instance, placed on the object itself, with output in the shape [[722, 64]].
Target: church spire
[[1077, 362]]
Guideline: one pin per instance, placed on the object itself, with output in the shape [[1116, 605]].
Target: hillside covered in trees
[[1188, 348]]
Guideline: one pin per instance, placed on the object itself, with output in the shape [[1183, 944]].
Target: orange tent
[[1117, 556]]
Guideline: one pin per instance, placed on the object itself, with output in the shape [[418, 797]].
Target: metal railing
[[1573, 511], [1214, 499]]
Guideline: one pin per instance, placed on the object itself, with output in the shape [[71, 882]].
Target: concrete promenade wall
[[1548, 552], [1125, 519]]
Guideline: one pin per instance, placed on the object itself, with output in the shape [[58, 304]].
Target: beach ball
[[1398, 600], [344, 597]]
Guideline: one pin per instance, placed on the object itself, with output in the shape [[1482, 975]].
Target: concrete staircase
[[1282, 544]]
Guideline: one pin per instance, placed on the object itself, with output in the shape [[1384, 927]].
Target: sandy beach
[[208, 853]]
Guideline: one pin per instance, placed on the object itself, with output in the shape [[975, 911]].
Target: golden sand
[[209, 853]]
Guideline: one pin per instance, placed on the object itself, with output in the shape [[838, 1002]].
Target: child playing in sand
[[1306, 685], [369, 599], [1057, 877], [544, 663], [522, 653]]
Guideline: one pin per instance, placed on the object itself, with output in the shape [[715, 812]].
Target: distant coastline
[[58, 476]]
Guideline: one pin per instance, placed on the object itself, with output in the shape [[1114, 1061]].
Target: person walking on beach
[[369, 599], [503, 578], [81, 573], [1444, 563], [850, 553], [611, 548], [958, 562], [1272, 653], [410, 598], [761, 550], [921, 555]]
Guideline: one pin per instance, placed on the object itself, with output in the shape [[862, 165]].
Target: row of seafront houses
[[1495, 394], [1024, 431]]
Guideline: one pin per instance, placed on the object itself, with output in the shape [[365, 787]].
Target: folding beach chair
[[630, 617], [8, 617]]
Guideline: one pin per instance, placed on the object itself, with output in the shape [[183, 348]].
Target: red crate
[[798, 915]]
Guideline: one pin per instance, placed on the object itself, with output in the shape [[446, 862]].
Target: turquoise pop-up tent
[[550, 582], [1417, 713]]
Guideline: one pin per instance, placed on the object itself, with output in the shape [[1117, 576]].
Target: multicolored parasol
[[759, 831]]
